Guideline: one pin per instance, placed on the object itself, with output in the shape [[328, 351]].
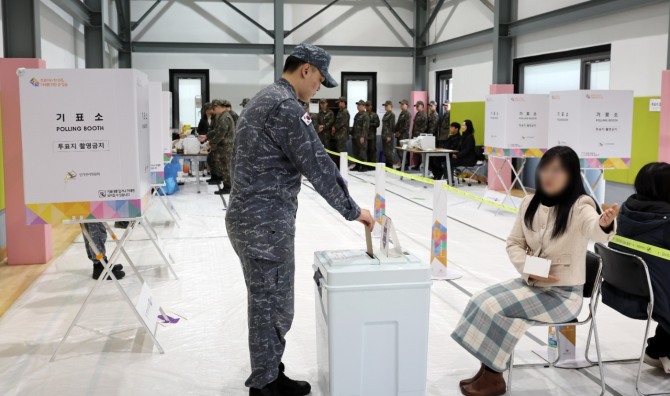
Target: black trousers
[[658, 346]]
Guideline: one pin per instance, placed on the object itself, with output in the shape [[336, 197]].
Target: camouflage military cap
[[419, 103], [217, 102], [388, 103], [226, 103], [317, 57], [404, 101], [446, 102], [360, 103], [342, 99], [323, 100], [244, 102], [432, 103], [368, 103]]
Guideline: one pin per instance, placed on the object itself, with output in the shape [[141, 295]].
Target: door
[[443, 85], [190, 89], [357, 86]]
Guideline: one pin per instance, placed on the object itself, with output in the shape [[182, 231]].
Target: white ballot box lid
[[356, 268]]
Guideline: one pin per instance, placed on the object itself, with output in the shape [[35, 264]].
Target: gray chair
[[629, 273], [591, 291]]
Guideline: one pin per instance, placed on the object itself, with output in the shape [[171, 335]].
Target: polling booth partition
[[98, 153]]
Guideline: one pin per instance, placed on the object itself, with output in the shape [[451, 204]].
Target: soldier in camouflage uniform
[[340, 130], [98, 234], [372, 132], [403, 123], [388, 123], [443, 130], [220, 139], [233, 114], [324, 122], [276, 144], [433, 118], [214, 136], [227, 128], [420, 126], [359, 135], [244, 102]]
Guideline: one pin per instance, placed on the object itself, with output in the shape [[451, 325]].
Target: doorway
[[190, 90], [357, 86], [443, 88]]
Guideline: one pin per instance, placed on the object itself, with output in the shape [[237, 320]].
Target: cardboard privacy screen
[[85, 136]]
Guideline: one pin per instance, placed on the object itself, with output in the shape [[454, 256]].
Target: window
[[443, 87], [357, 86], [190, 90]]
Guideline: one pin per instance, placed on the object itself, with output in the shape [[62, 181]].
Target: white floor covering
[[206, 354]]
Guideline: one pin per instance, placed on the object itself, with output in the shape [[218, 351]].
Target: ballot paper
[[368, 242], [537, 266]]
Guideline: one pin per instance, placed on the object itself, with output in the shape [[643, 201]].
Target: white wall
[[62, 39], [458, 18], [472, 70]]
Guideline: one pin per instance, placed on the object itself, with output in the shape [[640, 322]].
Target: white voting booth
[[516, 127], [598, 125], [372, 315], [87, 158]]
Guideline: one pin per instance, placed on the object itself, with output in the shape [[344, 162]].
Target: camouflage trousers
[[98, 235], [270, 308], [359, 151], [219, 161], [371, 143], [388, 151]]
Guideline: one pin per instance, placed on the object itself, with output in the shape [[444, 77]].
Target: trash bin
[[372, 323]]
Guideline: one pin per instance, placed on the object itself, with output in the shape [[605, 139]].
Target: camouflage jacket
[[327, 119], [374, 124], [275, 144], [433, 119], [234, 115], [388, 123], [443, 133], [402, 126], [361, 125], [420, 123], [341, 124], [222, 130]]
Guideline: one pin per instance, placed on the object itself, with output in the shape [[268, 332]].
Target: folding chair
[[629, 273], [474, 169], [591, 291]]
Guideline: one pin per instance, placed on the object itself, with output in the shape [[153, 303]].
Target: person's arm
[[374, 120], [517, 248], [330, 120], [302, 147], [597, 227]]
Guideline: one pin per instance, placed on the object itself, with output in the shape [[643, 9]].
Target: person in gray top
[[275, 144]]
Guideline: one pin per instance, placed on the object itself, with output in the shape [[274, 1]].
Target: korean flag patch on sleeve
[[306, 119]]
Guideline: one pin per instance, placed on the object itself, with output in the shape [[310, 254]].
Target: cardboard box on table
[[86, 151], [598, 125], [516, 125], [157, 134]]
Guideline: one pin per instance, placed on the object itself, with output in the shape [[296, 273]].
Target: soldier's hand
[[367, 219], [388, 140]]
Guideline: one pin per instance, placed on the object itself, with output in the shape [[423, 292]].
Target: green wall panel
[[474, 111], [646, 128]]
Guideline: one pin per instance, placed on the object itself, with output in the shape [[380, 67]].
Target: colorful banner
[[515, 152], [93, 132], [517, 125]]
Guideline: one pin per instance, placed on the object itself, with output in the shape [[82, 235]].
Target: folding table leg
[[120, 243]]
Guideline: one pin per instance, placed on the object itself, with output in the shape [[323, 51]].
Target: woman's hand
[[608, 216], [550, 279]]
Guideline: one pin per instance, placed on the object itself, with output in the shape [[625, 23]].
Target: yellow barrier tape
[[641, 247], [426, 180]]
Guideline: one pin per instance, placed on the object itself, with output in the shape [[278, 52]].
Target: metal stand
[[591, 188], [107, 271], [516, 179], [167, 203]]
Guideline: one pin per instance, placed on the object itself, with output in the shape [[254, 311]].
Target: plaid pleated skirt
[[497, 317]]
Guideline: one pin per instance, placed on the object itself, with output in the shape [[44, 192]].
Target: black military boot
[[214, 180], [289, 387], [225, 190], [117, 270]]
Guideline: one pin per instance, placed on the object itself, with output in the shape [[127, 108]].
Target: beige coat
[[567, 252]]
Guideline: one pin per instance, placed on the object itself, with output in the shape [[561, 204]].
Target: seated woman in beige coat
[[555, 224]]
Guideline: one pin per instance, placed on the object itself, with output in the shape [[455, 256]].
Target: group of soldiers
[[220, 134], [334, 131]]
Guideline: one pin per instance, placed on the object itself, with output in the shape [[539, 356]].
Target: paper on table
[[537, 266], [368, 242]]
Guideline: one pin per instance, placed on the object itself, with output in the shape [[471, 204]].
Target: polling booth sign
[[516, 125], [156, 133], [598, 125], [87, 153]]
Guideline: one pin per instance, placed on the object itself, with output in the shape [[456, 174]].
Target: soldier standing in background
[[275, 146], [388, 123], [359, 135], [213, 136], [228, 123], [244, 102], [229, 107], [220, 139], [324, 122], [402, 126], [444, 127], [340, 129], [433, 118], [420, 126], [372, 132]]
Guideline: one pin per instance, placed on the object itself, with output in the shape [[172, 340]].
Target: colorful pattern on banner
[[514, 152], [605, 163], [56, 213], [438, 252], [167, 157], [157, 177], [380, 192]]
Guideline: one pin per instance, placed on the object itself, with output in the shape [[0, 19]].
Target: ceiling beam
[[395, 14], [248, 18], [298, 26], [433, 15], [466, 41]]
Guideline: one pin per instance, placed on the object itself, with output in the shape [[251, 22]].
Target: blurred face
[[361, 107], [432, 107], [368, 108], [309, 82], [447, 107], [403, 107], [341, 105], [464, 127], [388, 107], [218, 110], [453, 130], [553, 178], [209, 112], [323, 106], [419, 108]]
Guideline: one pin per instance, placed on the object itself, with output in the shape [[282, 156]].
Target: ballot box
[[372, 323]]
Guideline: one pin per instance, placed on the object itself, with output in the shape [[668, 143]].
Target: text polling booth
[[86, 158], [516, 128], [598, 125]]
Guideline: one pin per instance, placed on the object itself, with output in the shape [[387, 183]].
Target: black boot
[[289, 387], [214, 180], [223, 191], [117, 270], [121, 224]]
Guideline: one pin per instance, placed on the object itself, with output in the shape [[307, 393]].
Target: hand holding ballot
[[367, 219]]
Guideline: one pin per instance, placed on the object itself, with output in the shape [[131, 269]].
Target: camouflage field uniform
[[402, 126], [433, 120], [98, 234], [341, 130], [327, 119], [372, 136], [221, 142], [443, 132], [420, 123], [360, 130], [388, 123], [275, 144], [234, 115]]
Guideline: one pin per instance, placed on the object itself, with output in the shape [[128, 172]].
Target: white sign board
[[516, 125], [598, 125], [156, 132], [86, 150], [147, 306], [655, 105]]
